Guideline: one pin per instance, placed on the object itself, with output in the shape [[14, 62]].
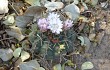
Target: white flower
[[55, 24], [53, 16]]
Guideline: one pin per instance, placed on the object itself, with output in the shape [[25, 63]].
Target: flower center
[[55, 26]]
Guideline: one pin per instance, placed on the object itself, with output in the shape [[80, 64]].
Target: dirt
[[99, 55]]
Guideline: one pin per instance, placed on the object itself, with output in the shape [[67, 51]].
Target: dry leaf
[[33, 2], [87, 43], [16, 35], [33, 10], [104, 4], [15, 32], [40, 68], [1, 16], [92, 2], [51, 6], [43, 2], [18, 62], [24, 55], [69, 14], [85, 6], [3, 6], [22, 21], [16, 29], [81, 38], [17, 52], [76, 1], [31, 65], [57, 67], [99, 37], [68, 68], [102, 25], [16, 68], [92, 36], [87, 65], [107, 29], [74, 10], [6, 54], [18, 6], [81, 26], [10, 20]]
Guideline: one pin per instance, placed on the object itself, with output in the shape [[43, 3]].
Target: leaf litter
[[23, 44]]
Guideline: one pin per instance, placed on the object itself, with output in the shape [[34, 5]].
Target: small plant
[[53, 35]]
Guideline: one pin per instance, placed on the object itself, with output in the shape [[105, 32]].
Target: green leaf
[[24, 55], [74, 10], [87, 65], [82, 40], [57, 67], [32, 37], [44, 48], [33, 2], [17, 52], [34, 27]]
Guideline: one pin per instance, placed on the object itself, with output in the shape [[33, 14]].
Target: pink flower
[[67, 24], [42, 24]]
